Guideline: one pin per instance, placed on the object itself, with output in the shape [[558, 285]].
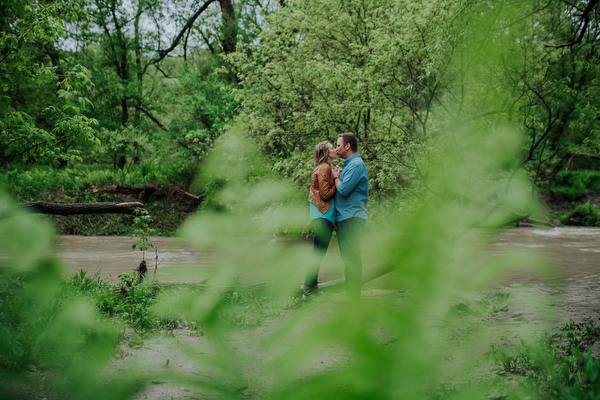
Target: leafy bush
[[131, 300], [582, 215], [558, 366], [37, 181], [576, 182]]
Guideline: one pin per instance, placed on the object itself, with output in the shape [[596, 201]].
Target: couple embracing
[[338, 197]]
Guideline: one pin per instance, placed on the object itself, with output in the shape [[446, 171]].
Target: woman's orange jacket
[[322, 187]]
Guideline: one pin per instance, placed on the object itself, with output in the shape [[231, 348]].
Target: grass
[[38, 180], [558, 366]]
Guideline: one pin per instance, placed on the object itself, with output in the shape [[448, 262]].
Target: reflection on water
[[575, 251], [109, 256], [178, 261]]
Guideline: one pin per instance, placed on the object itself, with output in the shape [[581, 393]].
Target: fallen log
[[43, 207], [120, 189]]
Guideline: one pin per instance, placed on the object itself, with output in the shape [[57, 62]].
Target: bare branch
[[585, 20], [188, 25], [152, 117]]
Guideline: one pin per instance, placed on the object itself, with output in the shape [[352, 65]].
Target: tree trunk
[[83, 208], [229, 26], [229, 33]]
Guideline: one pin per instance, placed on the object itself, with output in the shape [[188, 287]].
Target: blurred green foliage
[[374, 348], [41, 329], [430, 90]]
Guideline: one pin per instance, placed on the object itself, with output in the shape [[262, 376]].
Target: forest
[[203, 116]]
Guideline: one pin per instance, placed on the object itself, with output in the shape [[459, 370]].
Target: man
[[352, 193]]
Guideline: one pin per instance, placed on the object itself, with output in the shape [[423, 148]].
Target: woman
[[322, 210]]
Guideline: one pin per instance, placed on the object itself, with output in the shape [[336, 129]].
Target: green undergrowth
[[74, 185], [130, 300], [573, 198], [564, 364], [31, 182], [581, 214], [558, 366], [128, 304], [133, 298], [576, 183]]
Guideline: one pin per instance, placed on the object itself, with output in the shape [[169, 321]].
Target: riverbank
[[170, 206], [476, 326], [256, 345], [162, 189], [168, 197], [572, 208]]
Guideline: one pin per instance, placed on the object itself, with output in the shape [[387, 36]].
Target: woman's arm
[[326, 183]]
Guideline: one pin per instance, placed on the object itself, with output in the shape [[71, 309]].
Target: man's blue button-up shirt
[[353, 190]]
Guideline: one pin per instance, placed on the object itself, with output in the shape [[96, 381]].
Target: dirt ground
[[174, 365], [474, 323]]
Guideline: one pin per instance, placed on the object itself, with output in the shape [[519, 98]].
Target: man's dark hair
[[349, 138]]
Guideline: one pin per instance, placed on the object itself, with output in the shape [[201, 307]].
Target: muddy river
[[574, 251]]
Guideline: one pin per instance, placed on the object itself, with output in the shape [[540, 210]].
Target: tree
[[159, 70], [33, 133], [123, 33], [127, 40], [325, 67], [562, 108], [399, 75]]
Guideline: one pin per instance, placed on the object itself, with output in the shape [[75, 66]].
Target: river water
[[110, 256], [575, 252]]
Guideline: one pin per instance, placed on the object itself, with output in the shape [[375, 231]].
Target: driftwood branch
[[186, 194], [83, 208], [119, 189], [188, 25]]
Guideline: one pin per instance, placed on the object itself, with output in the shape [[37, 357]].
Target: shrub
[[583, 215], [558, 366], [576, 182]]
